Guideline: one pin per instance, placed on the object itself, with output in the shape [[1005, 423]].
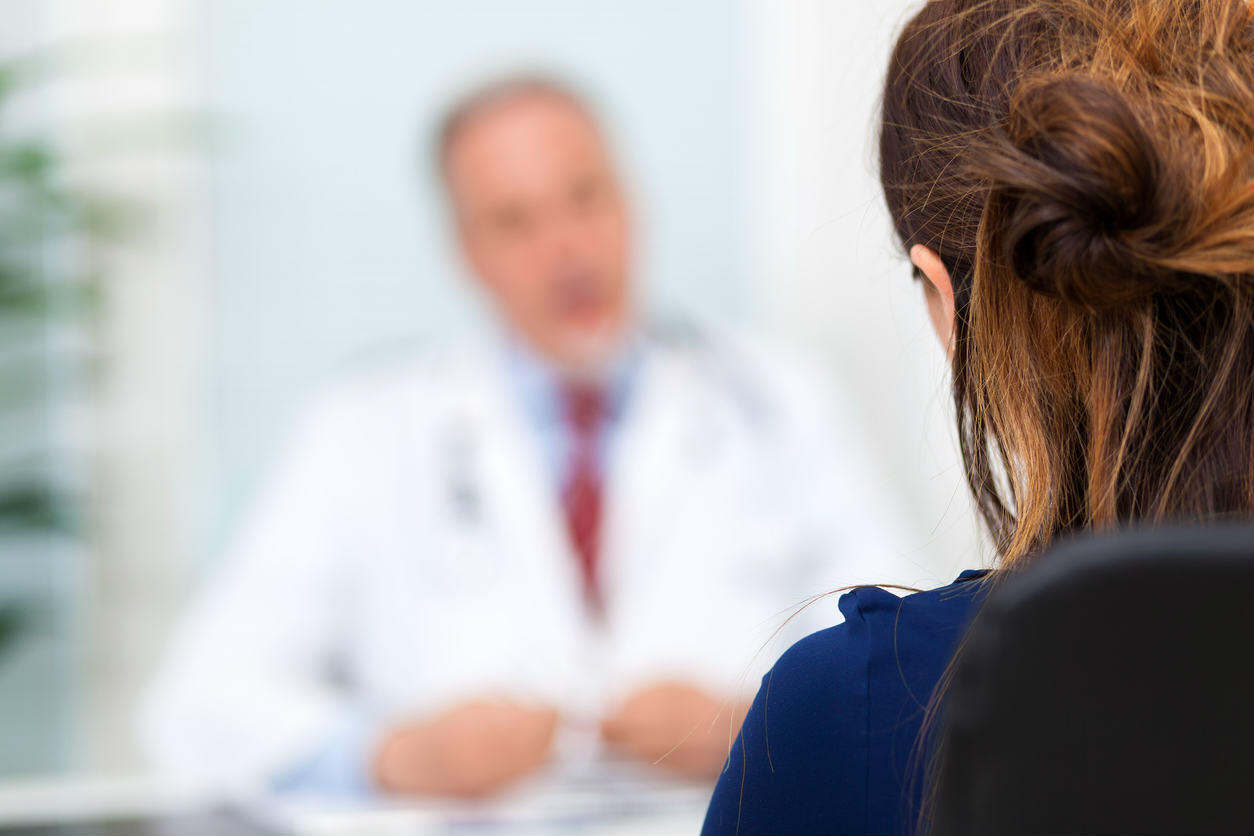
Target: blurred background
[[209, 207]]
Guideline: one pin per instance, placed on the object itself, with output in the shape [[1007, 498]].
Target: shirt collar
[[538, 383]]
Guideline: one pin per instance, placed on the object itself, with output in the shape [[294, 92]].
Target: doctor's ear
[[938, 290], [470, 252]]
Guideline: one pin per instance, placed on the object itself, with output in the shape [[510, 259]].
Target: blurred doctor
[[585, 520]]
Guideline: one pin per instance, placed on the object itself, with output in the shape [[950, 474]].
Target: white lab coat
[[412, 552]]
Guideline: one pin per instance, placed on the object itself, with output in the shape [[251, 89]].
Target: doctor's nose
[[563, 244]]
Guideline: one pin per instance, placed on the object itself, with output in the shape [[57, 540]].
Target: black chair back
[[1108, 688]]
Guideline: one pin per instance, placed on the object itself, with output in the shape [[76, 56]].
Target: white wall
[[832, 279], [121, 103]]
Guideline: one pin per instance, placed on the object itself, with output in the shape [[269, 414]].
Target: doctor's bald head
[[541, 216]]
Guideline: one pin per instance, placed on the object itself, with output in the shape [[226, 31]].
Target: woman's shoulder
[[817, 749], [872, 613], [887, 646]]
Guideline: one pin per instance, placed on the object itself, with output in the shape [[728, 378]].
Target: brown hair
[[1085, 169]]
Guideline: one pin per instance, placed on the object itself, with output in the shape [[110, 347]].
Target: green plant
[[48, 289]]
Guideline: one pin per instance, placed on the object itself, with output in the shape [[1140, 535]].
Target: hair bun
[[1075, 179]]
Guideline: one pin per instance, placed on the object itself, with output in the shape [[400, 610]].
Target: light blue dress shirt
[[537, 389]]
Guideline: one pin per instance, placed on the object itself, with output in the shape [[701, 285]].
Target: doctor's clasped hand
[[676, 726], [471, 750]]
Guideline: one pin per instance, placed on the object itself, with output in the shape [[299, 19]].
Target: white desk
[[612, 800], [72, 798]]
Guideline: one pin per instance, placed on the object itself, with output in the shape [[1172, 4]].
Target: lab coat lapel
[[523, 507], [656, 471]]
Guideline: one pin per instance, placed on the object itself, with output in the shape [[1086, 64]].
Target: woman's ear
[[939, 292]]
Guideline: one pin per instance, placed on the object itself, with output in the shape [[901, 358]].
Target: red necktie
[[581, 491]]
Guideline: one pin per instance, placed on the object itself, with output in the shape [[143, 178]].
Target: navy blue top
[[830, 745]]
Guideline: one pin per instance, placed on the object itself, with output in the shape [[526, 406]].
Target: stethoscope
[[459, 462]]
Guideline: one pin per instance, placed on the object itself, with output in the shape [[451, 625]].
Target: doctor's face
[[543, 224]]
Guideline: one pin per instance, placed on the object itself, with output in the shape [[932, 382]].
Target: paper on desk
[[604, 798]]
